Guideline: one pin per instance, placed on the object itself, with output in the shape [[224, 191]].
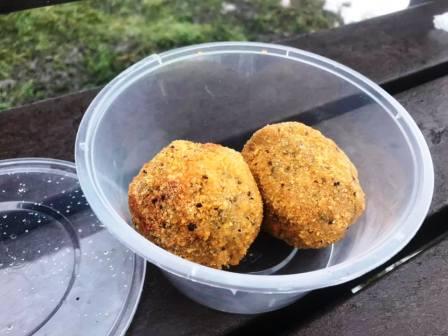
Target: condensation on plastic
[[61, 271]]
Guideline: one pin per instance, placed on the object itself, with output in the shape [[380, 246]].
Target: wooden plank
[[44, 129], [398, 50], [428, 105], [8, 6], [413, 300]]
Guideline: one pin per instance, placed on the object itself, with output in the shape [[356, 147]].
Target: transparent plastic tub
[[222, 92]]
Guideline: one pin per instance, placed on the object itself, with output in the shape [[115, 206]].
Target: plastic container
[[222, 92], [61, 271]]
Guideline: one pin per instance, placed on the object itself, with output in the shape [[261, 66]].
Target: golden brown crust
[[198, 201], [310, 188]]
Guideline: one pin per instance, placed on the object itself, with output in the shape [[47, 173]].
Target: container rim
[[411, 217]]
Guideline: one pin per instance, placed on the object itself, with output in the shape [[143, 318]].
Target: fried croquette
[[309, 186], [198, 201]]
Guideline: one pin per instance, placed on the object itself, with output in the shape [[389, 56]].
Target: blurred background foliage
[[65, 48]]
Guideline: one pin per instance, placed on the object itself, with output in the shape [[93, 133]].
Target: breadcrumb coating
[[309, 186], [198, 201]]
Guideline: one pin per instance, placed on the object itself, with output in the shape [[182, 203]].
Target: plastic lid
[[61, 272]]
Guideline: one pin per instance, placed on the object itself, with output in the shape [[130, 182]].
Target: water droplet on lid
[[79, 230], [12, 236], [10, 327], [26, 230], [49, 181], [106, 252], [38, 251], [5, 216]]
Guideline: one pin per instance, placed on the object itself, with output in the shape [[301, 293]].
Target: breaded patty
[[198, 201], [310, 188]]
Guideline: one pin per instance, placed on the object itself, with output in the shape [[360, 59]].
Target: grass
[[65, 48]]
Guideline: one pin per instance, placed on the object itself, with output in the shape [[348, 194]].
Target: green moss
[[64, 48]]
